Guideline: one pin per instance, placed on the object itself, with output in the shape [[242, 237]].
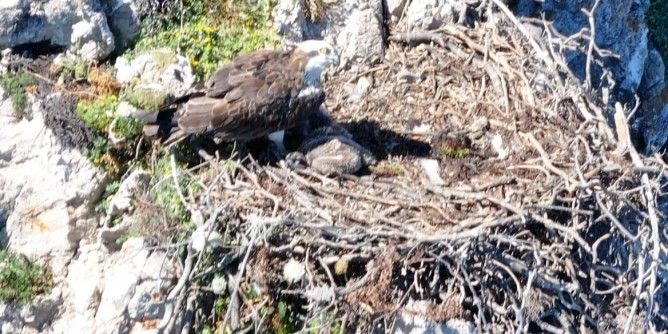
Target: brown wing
[[249, 98], [239, 70]]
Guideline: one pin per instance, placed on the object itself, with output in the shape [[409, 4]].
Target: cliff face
[[395, 90]]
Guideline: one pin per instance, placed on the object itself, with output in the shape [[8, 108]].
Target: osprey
[[258, 94], [330, 150]]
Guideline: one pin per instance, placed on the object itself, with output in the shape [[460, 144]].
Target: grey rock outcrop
[[47, 193], [79, 26], [159, 68], [637, 68], [123, 17], [432, 14], [355, 27]]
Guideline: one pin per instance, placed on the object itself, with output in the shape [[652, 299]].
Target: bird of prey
[[330, 150], [258, 94]]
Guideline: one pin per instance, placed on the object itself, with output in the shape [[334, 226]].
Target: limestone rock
[[43, 184], [123, 16], [411, 320], [361, 40], [432, 14], [147, 302], [354, 27], [161, 68], [79, 26], [653, 81], [11, 12], [131, 187], [120, 284]]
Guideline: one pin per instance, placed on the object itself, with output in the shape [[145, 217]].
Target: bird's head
[[321, 55], [296, 160]]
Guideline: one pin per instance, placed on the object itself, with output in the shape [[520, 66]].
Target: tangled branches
[[551, 224]]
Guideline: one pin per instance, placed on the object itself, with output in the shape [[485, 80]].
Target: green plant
[[15, 84], [165, 194], [21, 280], [99, 113], [76, 68], [239, 27], [109, 191], [285, 320], [145, 98], [456, 153], [387, 169]]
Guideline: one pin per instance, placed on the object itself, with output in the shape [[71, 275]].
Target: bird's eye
[[324, 51]]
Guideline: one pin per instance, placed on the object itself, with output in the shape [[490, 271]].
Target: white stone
[[411, 319], [147, 302], [162, 68], [429, 14], [84, 279], [125, 73], [204, 238], [497, 145], [219, 285], [432, 170], [396, 7], [121, 280], [294, 271], [129, 189]]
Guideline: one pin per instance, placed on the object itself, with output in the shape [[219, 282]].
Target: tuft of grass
[[16, 84], [22, 280], [456, 153], [387, 169]]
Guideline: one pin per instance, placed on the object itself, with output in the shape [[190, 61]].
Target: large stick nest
[[549, 223]]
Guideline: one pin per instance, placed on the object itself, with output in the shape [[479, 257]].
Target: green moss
[[15, 85], [145, 98], [20, 280]]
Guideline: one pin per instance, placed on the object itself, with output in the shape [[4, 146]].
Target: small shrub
[[103, 82], [20, 280], [16, 84], [99, 113]]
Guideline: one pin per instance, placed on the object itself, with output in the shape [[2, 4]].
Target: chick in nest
[[330, 150]]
